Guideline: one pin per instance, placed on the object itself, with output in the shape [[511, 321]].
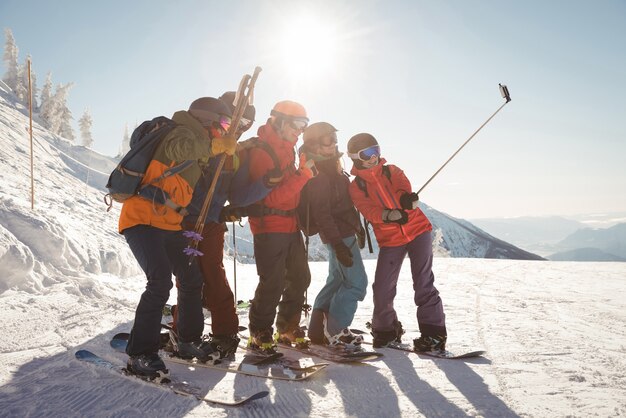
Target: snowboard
[[337, 355], [180, 388], [269, 367], [438, 353]]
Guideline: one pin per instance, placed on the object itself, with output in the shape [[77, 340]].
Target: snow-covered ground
[[555, 332]]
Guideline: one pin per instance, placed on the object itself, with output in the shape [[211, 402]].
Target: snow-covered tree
[[21, 90], [85, 123], [125, 147], [45, 99], [10, 60], [61, 116]]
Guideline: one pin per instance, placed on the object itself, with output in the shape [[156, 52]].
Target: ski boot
[[225, 345], [262, 342], [316, 332], [430, 343], [345, 338], [294, 337], [384, 338], [202, 350], [148, 367]]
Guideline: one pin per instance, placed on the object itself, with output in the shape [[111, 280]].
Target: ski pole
[[243, 98], [235, 262], [504, 91]]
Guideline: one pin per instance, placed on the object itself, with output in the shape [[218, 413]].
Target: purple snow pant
[[430, 316]]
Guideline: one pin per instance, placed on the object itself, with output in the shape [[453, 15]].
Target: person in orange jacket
[[383, 194], [153, 232], [281, 262]]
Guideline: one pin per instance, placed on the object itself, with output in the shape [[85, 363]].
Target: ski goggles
[[245, 124], [299, 124], [212, 117], [224, 122], [366, 154]]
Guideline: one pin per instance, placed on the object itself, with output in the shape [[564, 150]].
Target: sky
[[421, 76]]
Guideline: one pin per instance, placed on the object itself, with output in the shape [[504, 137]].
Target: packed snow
[[554, 332]]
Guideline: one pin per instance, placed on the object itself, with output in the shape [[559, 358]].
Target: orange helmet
[[289, 110]]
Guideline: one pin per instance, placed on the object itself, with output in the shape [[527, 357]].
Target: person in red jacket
[[281, 262], [383, 194]]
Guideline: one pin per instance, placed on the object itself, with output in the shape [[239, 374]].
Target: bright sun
[[309, 48]]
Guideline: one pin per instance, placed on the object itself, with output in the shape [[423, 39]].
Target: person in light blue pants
[[330, 212], [344, 288]]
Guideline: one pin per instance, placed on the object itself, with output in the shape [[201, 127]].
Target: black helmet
[[209, 109], [229, 99]]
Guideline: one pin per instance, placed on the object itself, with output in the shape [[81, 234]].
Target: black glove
[[344, 255], [408, 201], [232, 214], [397, 216], [273, 177]]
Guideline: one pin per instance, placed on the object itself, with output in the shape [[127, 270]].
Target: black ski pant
[[160, 253], [284, 277]]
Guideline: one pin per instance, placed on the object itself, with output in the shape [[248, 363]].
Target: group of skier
[[265, 179]]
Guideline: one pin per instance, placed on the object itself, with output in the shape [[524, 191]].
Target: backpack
[[304, 216], [125, 180]]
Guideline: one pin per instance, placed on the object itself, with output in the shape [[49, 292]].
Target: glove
[[395, 216], [344, 255], [408, 201], [307, 167], [273, 177], [231, 214], [225, 144]]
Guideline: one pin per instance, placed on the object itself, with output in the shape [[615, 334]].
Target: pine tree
[[85, 123], [33, 82], [45, 98], [125, 147], [10, 59], [61, 116], [21, 90]]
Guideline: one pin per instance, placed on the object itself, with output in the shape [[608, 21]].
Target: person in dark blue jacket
[[233, 184]]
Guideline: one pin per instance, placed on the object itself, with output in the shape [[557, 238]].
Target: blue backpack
[[125, 180]]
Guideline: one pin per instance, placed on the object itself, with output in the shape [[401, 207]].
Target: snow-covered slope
[[69, 232]]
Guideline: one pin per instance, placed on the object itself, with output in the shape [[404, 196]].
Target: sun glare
[[309, 48]]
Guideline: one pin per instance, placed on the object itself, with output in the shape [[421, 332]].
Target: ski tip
[[258, 395]]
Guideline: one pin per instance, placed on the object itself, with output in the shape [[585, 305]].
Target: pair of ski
[[178, 387]]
